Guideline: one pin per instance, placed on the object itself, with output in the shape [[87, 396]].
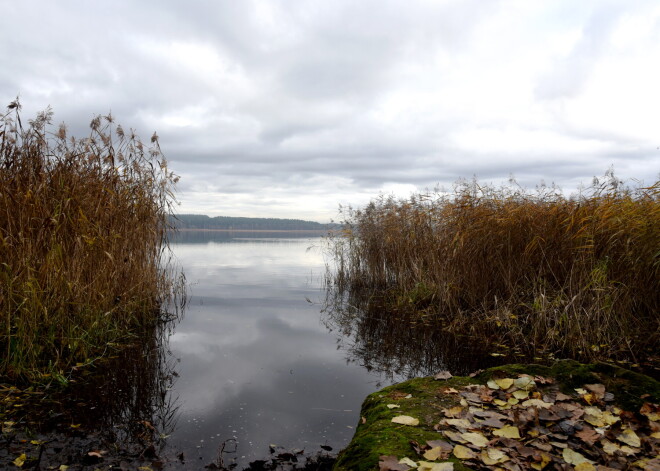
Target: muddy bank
[[514, 417]]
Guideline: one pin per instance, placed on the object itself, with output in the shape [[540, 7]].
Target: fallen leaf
[[588, 435], [493, 456], [408, 461], [464, 453], [521, 394], [449, 391], [585, 467], [443, 375], [461, 424], [426, 466], [543, 460], [391, 463], [597, 389], [436, 454], [63, 467], [508, 431], [573, 457], [476, 438], [537, 403], [629, 437], [525, 383], [96, 454], [405, 420], [455, 411], [363, 420], [20, 460], [393, 406], [562, 397], [504, 383], [441, 443], [454, 436], [651, 411]]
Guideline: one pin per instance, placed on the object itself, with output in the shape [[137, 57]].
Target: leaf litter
[[526, 423]]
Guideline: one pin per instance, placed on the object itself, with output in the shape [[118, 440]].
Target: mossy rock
[[377, 435]]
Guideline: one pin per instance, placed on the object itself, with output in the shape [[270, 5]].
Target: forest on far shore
[[201, 221]]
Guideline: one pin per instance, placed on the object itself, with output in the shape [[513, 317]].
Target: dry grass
[[82, 242], [539, 271]]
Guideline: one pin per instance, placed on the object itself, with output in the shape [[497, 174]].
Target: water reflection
[[256, 364], [391, 344]]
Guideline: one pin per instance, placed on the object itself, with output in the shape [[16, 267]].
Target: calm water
[[255, 360]]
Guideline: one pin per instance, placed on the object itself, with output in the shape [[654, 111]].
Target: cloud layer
[[289, 108]]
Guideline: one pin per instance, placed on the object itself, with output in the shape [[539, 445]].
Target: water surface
[[256, 362]]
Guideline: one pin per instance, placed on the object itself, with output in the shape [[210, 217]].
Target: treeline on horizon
[[201, 221]]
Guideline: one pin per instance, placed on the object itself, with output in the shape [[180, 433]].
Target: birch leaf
[[629, 438], [475, 438], [508, 431], [573, 457], [464, 453], [405, 420], [504, 383]]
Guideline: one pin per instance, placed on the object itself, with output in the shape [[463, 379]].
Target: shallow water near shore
[[255, 363]]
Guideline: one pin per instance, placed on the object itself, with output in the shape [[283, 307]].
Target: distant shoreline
[[307, 231]]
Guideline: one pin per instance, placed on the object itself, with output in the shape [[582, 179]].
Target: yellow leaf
[[75, 425], [393, 406], [520, 394], [62, 467], [508, 431], [492, 384], [492, 456], [573, 457], [609, 447], [504, 383], [435, 453], [464, 453], [585, 467], [475, 438], [405, 420], [20, 460], [629, 438]]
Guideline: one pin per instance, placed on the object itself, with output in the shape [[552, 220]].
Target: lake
[[256, 360]]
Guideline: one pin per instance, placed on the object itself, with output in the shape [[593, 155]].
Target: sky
[[291, 108]]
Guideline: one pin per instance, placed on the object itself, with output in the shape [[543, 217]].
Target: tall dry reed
[[82, 241], [579, 276]]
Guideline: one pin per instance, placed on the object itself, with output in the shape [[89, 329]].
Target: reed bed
[[535, 271], [83, 243]]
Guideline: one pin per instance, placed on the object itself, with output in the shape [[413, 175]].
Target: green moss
[[379, 436]]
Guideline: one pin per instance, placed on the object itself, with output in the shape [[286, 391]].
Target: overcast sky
[[288, 108]]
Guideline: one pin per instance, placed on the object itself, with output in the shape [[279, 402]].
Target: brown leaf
[[441, 444], [588, 435], [391, 463], [443, 375], [597, 389]]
